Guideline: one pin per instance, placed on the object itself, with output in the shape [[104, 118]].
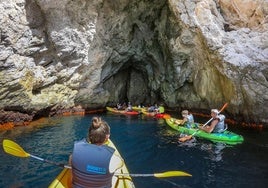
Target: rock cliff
[[56, 55]]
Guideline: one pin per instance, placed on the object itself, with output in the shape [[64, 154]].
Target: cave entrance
[[128, 83]]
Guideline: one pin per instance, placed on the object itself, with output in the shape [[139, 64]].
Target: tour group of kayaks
[[122, 178], [137, 111], [226, 136]]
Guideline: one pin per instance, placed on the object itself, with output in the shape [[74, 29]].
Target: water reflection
[[215, 150]]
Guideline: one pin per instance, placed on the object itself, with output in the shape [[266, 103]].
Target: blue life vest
[[90, 165], [190, 121], [220, 125], [151, 109]]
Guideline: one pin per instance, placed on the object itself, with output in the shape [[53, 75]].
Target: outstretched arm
[[181, 122], [210, 128]]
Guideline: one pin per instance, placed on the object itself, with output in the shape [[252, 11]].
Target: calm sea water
[[148, 146]]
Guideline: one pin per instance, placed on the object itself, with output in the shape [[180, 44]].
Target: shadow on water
[[148, 146]]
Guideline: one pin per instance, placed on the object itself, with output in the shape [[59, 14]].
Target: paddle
[[159, 175], [13, 148], [188, 137]]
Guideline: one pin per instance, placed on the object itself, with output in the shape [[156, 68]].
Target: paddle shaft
[[137, 175], [158, 175], [165, 174], [51, 162]]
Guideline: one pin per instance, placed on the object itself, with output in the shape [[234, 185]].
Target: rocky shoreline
[[10, 119]]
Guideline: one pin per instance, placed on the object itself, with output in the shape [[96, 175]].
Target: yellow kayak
[[110, 109], [63, 180]]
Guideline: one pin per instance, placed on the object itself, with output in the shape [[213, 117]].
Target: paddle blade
[[185, 138], [171, 174], [13, 148], [224, 106]]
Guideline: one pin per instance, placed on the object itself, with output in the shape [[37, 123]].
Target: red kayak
[[156, 115]]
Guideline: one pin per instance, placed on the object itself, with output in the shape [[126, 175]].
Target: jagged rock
[[55, 55], [16, 117]]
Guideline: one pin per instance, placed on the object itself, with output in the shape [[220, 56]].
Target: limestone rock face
[[245, 13], [57, 54]]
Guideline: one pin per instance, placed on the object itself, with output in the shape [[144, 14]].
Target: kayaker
[[217, 124], [94, 163], [119, 106], [129, 107], [153, 108], [124, 106], [160, 109], [188, 119]]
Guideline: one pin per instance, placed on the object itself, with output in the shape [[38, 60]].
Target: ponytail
[[98, 131]]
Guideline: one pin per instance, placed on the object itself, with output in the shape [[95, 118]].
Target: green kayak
[[227, 137]]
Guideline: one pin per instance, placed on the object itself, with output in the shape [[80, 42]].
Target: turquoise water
[[148, 146]]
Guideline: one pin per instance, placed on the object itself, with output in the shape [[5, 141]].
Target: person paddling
[[188, 119], [217, 125], [94, 163], [129, 107]]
